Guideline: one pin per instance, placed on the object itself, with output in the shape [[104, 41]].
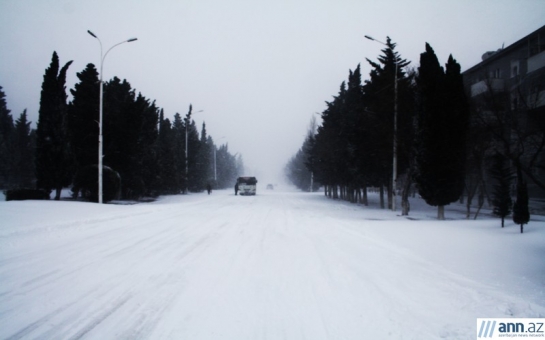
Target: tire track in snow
[[40, 322], [70, 252], [100, 316]]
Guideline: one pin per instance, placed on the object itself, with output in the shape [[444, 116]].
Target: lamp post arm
[[371, 38], [108, 51], [101, 55]]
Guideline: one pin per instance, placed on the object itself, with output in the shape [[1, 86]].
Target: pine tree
[[502, 175], [6, 137], [205, 160], [442, 119], [521, 212], [167, 165], [187, 123], [147, 136], [121, 125], [229, 167], [52, 154], [310, 162], [178, 150], [130, 134], [212, 166], [23, 166], [193, 147], [377, 128], [352, 130], [456, 108], [145, 140], [83, 118], [330, 149], [381, 100], [299, 169], [222, 167]]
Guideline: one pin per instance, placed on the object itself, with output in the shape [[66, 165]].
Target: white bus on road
[[246, 185]]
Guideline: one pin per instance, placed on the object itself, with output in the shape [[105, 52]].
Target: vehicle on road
[[246, 185]]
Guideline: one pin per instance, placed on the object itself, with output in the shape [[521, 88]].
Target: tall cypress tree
[[229, 167], [167, 165], [352, 128], [83, 118], [330, 149], [23, 166], [210, 146], [204, 160], [178, 150], [52, 154], [194, 144], [187, 123], [146, 141], [6, 134], [130, 134], [191, 170], [521, 211], [380, 101], [120, 122], [299, 170], [442, 118], [456, 107]]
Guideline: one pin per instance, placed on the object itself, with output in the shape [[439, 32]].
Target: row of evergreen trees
[[16, 148], [353, 148], [146, 149]]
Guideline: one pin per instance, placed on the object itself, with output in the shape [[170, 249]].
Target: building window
[[536, 44], [495, 74], [514, 68]]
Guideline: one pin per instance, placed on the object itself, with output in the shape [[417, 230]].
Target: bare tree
[[518, 132]]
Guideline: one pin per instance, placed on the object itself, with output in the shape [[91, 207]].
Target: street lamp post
[[394, 161], [100, 144], [215, 167], [186, 153]]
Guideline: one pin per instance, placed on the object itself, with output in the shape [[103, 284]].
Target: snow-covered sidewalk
[[280, 265]]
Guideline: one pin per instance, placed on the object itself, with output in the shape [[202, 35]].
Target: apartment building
[[507, 95]]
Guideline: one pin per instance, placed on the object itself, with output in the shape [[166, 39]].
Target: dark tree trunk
[[58, 193], [381, 197], [405, 205], [441, 212]]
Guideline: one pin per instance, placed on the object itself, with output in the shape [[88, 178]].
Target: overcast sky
[[259, 70]]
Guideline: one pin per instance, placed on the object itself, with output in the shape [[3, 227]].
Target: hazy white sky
[[259, 70]]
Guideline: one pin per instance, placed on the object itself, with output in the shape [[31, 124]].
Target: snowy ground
[[280, 265]]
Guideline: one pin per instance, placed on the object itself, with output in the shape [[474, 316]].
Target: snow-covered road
[[280, 265]]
